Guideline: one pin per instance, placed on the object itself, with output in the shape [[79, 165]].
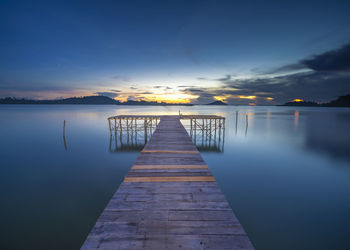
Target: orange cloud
[[251, 97], [298, 100]]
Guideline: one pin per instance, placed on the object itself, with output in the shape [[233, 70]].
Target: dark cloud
[[316, 86], [324, 77], [110, 94], [335, 60], [193, 90], [133, 88], [185, 86], [146, 93], [331, 61], [161, 87], [224, 79]]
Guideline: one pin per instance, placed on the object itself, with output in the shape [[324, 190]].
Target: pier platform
[[168, 200]]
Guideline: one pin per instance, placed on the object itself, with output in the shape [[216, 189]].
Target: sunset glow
[[298, 100], [251, 97], [160, 98], [221, 98]]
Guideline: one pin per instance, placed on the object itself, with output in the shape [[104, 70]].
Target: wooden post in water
[[64, 128], [109, 125], [236, 121], [145, 127], [64, 135], [215, 133], [246, 127], [120, 131]]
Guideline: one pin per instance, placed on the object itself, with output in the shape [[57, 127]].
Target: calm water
[[286, 176]]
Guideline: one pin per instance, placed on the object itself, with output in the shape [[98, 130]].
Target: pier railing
[[131, 132]]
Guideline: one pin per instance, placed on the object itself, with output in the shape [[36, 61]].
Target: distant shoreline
[[341, 102]]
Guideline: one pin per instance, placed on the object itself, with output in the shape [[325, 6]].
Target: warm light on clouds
[[269, 98], [298, 100], [221, 98], [251, 97], [172, 97], [251, 104]]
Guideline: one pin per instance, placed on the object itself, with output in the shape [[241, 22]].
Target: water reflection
[[329, 134], [130, 133], [296, 119], [290, 171], [242, 120]]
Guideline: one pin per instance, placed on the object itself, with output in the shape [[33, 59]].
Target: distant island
[[95, 100], [217, 103], [342, 101]]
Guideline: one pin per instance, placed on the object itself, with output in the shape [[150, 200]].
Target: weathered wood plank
[[169, 174], [168, 200], [169, 179], [135, 167], [171, 151]]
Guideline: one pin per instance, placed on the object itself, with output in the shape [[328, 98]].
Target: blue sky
[[149, 49]]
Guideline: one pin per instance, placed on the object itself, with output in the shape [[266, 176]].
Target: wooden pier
[[168, 200]]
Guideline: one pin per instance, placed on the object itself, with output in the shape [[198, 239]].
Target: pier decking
[[168, 200]]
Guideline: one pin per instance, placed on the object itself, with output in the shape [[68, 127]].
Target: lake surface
[[286, 175]]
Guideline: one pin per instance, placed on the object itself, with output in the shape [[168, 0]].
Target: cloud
[[122, 78], [194, 90], [337, 60], [161, 87], [110, 94], [224, 79], [322, 78], [185, 86], [316, 86], [133, 88]]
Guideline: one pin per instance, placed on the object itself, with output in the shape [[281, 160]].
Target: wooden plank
[[134, 167], [167, 173], [168, 200], [169, 179], [170, 151]]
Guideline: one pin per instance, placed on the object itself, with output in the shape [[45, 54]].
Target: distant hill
[[94, 100], [217, 103], [342, 101], [305, 104], [130, 102], [72, 100]]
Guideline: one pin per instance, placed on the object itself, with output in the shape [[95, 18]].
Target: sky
[[240, 52]]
